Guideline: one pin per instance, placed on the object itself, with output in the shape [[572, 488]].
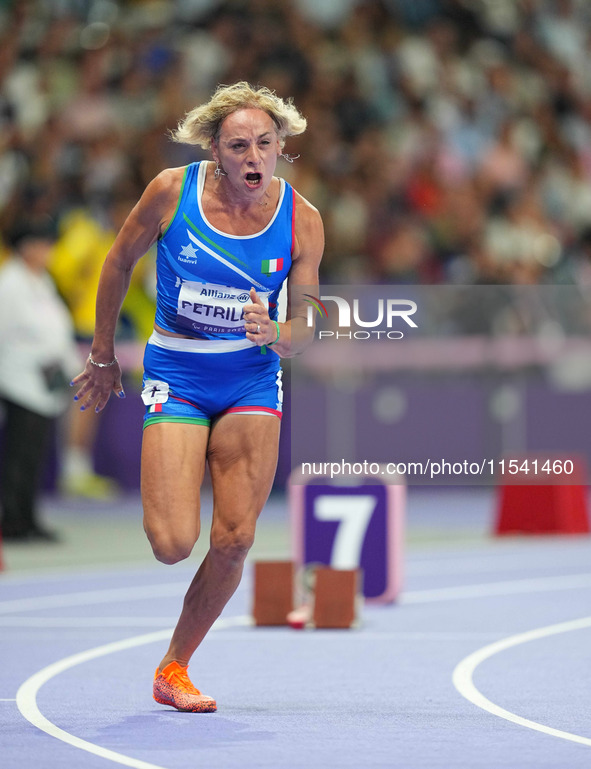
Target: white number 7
[[353, 514]]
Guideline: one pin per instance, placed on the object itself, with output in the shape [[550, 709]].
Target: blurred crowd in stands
[[448, 141]]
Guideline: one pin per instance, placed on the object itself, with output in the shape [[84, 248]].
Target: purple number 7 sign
[[350, 527]]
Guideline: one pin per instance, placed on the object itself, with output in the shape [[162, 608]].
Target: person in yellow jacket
[[75, 266]]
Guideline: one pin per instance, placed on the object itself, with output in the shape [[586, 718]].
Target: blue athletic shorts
[[182, 384]]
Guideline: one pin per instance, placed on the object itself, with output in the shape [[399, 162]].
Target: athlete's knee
[[232, 542], [170, 547], [170, 551]]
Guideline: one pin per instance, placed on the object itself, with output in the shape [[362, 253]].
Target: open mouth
[[254, 179]]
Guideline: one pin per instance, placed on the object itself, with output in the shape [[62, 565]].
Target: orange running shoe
[[172, 686]]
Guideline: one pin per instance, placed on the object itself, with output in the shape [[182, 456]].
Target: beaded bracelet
[[270, 344], [102, 365]]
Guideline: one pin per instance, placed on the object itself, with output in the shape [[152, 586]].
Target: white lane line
[[171, 589], [362, 633], [26, 697], [355, 634], [505, 562], [107, 595], [506, 587], [87, 597], [27, 694], [66, 572], [86, 622], [463, 676]]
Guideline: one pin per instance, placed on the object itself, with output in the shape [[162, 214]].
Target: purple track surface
[[80, 649]]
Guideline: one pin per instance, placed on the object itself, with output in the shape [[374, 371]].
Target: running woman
[[229, 233]]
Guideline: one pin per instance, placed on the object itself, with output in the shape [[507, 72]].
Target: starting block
[[336, 597], [273, 592], [329, 597]]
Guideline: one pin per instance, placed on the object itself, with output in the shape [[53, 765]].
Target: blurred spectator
[[413, 106], [76, 265], [38, 358]]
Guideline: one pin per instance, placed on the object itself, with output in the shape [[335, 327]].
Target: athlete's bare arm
[[294, 334], [148, 219]]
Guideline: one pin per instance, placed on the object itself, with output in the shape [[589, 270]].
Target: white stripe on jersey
[[221, 259]]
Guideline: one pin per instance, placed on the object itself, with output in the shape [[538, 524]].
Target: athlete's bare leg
[[242, 454], [173, 465]]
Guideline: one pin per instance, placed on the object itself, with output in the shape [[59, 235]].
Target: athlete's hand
[[97, 384], [260, 329]]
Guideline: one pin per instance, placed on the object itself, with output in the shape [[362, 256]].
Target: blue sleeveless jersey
[[204, 275]]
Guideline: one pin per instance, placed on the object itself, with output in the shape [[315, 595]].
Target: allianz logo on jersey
[[219, 293]]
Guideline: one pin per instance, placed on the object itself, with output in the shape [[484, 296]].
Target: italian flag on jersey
[[269, 266]]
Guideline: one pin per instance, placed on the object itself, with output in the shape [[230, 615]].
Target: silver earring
[[289, 158], [219, 171]]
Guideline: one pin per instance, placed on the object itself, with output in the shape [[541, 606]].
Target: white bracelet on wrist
[[102, 365]]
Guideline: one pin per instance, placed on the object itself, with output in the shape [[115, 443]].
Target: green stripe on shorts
[[154, 418]]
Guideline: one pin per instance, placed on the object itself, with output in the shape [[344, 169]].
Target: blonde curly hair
[[202, 124]]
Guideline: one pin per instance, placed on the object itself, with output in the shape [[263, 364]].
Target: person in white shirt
[[38, 358]]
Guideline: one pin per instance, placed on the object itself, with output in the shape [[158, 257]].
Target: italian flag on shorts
[[269, 266]]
